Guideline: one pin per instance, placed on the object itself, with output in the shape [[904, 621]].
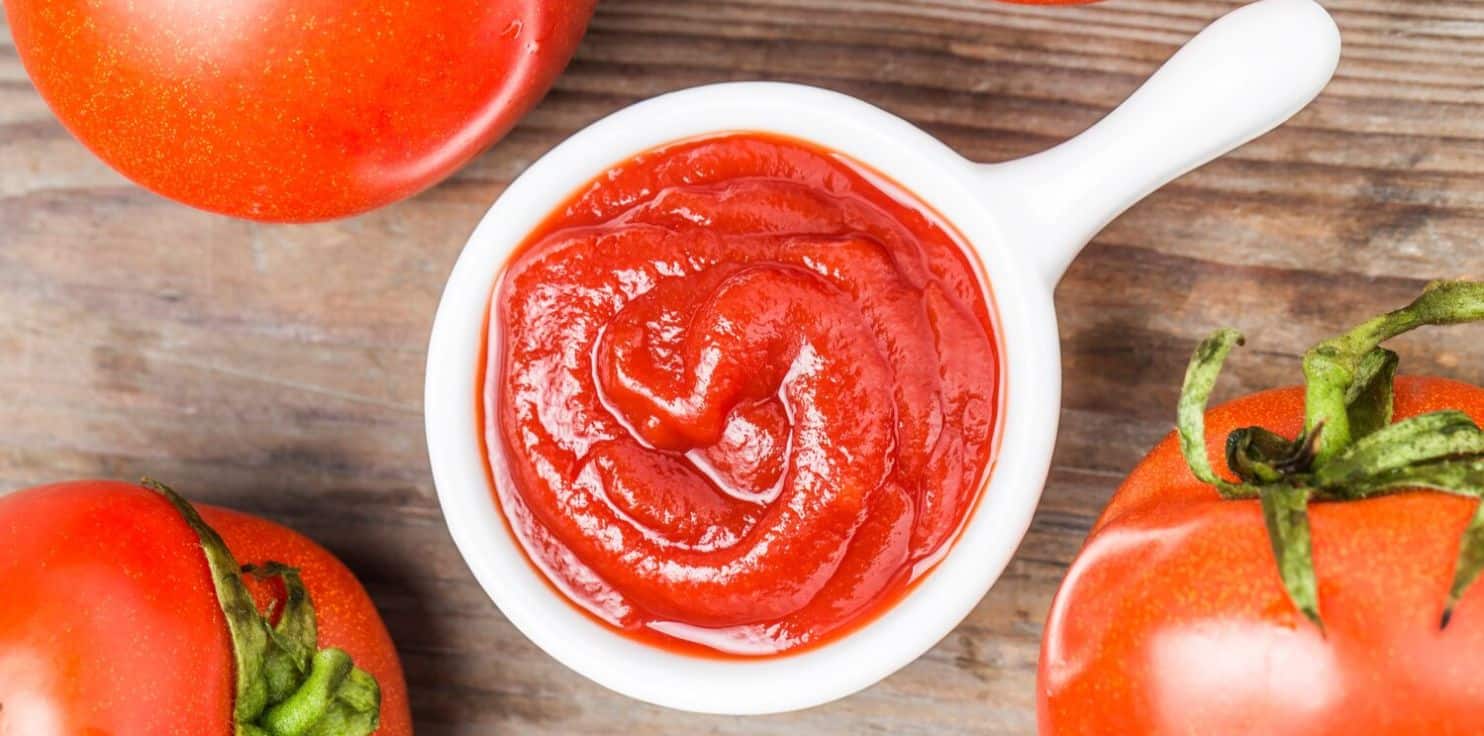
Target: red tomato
[[292, 110], [110, 625], [1173, 618]]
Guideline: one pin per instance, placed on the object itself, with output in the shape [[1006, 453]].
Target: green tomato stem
[[1332, 367]]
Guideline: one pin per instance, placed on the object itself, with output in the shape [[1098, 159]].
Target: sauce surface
[[740, 394]]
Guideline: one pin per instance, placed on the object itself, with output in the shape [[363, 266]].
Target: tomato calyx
[[1349, 448], [285, 684]]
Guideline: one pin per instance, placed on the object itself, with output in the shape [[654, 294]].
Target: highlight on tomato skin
[[220, 622]]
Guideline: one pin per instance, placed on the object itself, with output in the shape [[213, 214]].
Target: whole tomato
[[123, 613], [292, 110], [1311, 588]]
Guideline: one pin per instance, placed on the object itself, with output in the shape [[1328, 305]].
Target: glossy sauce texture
[[738, 396]]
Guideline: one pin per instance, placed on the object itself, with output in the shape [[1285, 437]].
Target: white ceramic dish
[[1025, 219]]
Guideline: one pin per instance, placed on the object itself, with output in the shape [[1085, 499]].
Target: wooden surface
[[279, 369]]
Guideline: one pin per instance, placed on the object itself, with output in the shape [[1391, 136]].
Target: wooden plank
[[278, 369]]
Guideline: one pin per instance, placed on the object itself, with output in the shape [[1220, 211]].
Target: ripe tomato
[[292, 110], [1174, 618], [110, 621]]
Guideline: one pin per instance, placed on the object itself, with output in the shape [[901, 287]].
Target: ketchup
[[740, 393]]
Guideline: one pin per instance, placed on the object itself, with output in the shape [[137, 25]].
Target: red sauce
[[740, 394]]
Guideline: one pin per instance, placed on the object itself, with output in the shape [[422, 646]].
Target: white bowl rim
[[1030, 396]]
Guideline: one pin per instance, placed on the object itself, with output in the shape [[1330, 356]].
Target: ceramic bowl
[[1025, 220]]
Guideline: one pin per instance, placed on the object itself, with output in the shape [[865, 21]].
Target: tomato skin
[[292, 110], [109, 623], [1172, 619], [108, 619]]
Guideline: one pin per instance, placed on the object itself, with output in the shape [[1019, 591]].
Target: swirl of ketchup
[[740, 393]]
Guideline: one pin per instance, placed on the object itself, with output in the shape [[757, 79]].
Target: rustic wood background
[[279, 369]]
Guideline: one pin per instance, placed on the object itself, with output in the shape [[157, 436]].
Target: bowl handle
[[1239, 78]]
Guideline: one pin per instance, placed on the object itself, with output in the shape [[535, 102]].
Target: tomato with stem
[[1321, 583], [125, 611]]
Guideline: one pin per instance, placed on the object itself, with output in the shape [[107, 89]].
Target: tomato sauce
[[739, 394]]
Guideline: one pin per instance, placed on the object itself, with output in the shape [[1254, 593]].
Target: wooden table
[[279, 369]]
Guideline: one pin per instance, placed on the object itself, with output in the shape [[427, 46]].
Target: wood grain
[[278, 369]]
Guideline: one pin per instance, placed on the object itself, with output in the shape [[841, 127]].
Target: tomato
[[292, 110], [110, 622], [1174, 618]]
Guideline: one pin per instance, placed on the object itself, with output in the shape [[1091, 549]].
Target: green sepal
[[1467, 567], [335, 698], [1460, 477], [1285, 510], [1200, 378], [251, 637], [283, 686], [295, 635], [1412, 441]]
